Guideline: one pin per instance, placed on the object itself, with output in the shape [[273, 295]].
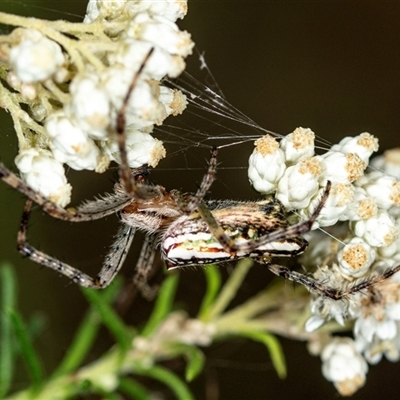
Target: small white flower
[[173, 100], [362, 206], [70, 144], [389, 162], [143, 103], [298, 145], [35, 58], [324, 309], [89, 107], [142, 149], [377, 231], [340, 197], [266, 165], [356, 257], [44, 174], [363, 145], [383, 188], [340, 167], [132, 52], [299, 183], [343, 365], [170, 9], [161, 32], [100, 9]]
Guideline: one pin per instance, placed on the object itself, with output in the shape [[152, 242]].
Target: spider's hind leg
[[111, 265], [145, 268]]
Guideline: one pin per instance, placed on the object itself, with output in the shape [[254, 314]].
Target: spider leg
[[130, 186], [110, 268], [326, 290], [88, 211], [144, 267], [291, 231], [205, 185], [145, 261]]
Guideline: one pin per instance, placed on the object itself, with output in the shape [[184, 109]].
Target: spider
[[188, 229]]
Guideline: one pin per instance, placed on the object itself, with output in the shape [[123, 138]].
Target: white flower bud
[[299, 183], [355, 258], [363, 145], [160, 32], [142, 149], [266, 165], [343, 365], [143, 103], [173, 100], [384, 189], [44, 174], [132, 52], [170, 9], [35, 58], [89, 107], [70, 144], [104, 10], [362, 207], [377, 231], [340, 167], [389, 162], [340, 196], [298, 145]]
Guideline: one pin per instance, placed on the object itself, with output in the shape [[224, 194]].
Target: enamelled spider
[[188, 229]]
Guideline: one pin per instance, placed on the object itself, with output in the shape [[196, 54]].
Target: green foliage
[[168, 334]]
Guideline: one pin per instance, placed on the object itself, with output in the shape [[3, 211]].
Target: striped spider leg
[[221, 231]]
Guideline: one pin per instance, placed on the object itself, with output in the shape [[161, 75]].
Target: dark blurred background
[[331, 66]]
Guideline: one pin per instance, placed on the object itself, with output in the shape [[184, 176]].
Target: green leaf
[[195, 358], [230, 288], [31, 358], [213, 278], [178, 387], [274, 348], [110, 318], [86, 333], [7, 303], [134, 389], [163, 305]]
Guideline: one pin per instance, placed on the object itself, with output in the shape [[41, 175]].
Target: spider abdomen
[[188, 240]]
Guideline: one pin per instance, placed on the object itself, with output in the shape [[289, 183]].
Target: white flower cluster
[[76, 87], [363, 213]]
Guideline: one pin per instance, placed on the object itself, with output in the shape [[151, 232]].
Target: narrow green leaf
[[110, 318], [7, 303], [230, 288], [31, 358], [86, 334], [213, 278], [195, 362], [134, 389], [163, 305], [274, 348], [171, 380]]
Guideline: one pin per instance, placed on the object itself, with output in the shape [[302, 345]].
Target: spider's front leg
[[88, 211], [324, 290], [111, 265]]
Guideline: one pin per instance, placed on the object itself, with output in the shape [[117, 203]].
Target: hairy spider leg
[[130, 186], [326, 290], [294, 230], [111, 265]]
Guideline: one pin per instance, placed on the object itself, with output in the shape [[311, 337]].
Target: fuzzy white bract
[[75, 123]]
